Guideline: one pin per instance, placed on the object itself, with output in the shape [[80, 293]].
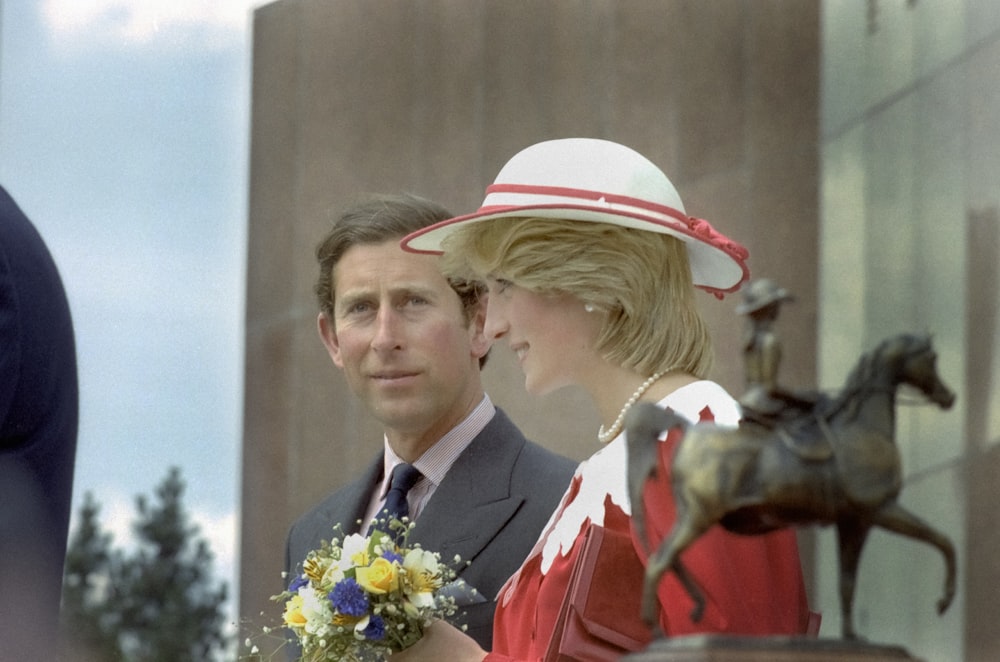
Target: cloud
[[219, 531], [162, 23], [116, 516]]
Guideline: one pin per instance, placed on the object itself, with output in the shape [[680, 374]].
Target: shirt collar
[[437, 460]]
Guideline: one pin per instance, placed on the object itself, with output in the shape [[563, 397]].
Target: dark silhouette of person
[[39, 409]]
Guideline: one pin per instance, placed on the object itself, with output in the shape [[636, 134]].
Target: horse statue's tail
[[644, 424]]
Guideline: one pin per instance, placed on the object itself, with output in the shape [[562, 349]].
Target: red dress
[[752, 584]]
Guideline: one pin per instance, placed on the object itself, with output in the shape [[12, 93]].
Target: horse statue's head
[[911, 359], [902, 359]]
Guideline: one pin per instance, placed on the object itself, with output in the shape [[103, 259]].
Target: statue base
[[722, 648]]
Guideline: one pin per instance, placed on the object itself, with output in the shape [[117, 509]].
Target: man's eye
[[501, 285], [358, 308]]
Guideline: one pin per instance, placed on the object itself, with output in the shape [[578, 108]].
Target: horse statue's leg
[[851, 534], [644, 424], [897, 519], [686, 530]]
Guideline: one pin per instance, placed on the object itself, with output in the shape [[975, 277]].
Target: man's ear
[[329, 337]]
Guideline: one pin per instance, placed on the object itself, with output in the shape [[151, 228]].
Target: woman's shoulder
[[692, 400]]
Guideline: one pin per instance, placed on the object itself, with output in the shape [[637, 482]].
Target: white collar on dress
[[605, 473]]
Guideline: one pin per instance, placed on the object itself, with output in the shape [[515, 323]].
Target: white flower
[[359, 628], [411, 609], [317, 611], [334, 573], [355, 551], [423, 572]]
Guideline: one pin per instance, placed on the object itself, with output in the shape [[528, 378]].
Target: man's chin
[[399, 415]]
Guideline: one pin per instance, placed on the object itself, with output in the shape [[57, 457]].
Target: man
[[38, 428], [411, 346]]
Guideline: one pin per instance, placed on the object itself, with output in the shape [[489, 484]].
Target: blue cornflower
[[392, 557], [348, 598], [297, 583], [375, 630]]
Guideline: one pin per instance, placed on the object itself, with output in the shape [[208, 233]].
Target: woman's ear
[[480, 344]]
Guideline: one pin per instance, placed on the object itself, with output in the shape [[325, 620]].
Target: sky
[[124, 130]]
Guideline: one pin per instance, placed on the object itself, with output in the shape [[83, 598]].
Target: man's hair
[[375, 220], [640, 280]]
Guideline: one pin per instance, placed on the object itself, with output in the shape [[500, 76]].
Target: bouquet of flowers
[[363, 597]]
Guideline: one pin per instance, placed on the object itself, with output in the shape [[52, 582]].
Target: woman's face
[[552, 335]]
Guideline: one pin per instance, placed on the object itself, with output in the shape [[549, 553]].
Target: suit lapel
[[349, 509], [474, 501]]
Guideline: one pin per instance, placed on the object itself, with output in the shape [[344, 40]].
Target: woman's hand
[[442, 641]]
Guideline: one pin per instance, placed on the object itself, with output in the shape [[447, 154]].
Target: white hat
[[585, 179]]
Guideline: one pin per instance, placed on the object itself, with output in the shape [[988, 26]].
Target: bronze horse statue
[[754, 478]]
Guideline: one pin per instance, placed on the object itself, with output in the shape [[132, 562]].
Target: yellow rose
[[293, 612], [382, 576]]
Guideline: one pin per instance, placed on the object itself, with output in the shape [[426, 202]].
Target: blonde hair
[[640, 280]]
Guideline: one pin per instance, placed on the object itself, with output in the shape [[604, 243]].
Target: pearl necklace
[[604, 436]]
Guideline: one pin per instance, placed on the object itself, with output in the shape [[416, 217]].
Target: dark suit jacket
[[38, 426], [489, 509]]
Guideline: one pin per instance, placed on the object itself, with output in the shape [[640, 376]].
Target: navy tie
[[404, 476]]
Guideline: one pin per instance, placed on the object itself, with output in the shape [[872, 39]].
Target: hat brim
[[718, 267]]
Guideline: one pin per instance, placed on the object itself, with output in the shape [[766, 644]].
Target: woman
[[592, 264]]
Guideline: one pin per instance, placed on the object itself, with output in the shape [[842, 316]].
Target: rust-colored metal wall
[[432, 97]]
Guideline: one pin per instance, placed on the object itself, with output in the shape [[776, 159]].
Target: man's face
[[400, 336]]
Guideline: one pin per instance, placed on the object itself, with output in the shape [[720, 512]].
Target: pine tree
[[157, 604], [89, 627], [170, 608]]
